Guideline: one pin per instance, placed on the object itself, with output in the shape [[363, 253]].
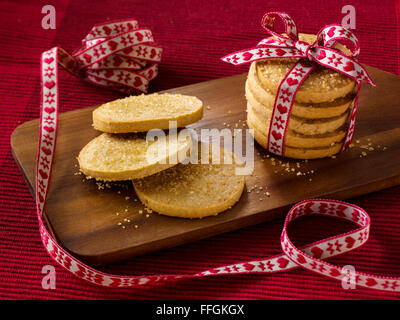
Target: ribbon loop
[[110, 29], [332, 34], [268, 23]]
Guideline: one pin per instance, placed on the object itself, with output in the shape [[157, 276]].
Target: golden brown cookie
[[112, 157], [321, 85], [297, 153], [146, 112], [297, 140], [301, 125], [254, 90], [192, 190]]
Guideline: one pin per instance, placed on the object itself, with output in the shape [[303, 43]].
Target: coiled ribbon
[[308, 257], [321, 52], [116, 55]]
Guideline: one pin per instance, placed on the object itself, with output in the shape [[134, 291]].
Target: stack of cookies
[[318, 121], [163, 178]]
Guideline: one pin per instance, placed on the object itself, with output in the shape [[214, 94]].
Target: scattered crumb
[[369, 146], [100, 185]]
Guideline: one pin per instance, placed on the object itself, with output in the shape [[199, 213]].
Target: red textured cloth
[[194, 35]]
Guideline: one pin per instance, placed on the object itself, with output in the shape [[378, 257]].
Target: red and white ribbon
[[117, 55], [309, 257], [321, 52]]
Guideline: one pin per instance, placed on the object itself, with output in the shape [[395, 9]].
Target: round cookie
[[145, 112], [254, 90], [301, 125], [296, 140], [297, 153], [111, 157], [321, 85], [192, 190]]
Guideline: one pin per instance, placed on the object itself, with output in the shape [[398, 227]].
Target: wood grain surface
[[85, 219]]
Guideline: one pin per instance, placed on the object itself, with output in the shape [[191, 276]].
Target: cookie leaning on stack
[[317, 125], [121, 153]]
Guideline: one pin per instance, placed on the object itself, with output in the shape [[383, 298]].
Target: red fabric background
[[194, 34]]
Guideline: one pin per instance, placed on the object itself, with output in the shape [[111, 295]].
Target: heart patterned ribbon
[[117, 55], [321, 52], [308, 257]]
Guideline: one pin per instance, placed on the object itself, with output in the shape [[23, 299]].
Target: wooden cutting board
[[89, 221]]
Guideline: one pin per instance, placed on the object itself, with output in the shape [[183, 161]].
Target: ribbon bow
[[321, 52], [117, 55]]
